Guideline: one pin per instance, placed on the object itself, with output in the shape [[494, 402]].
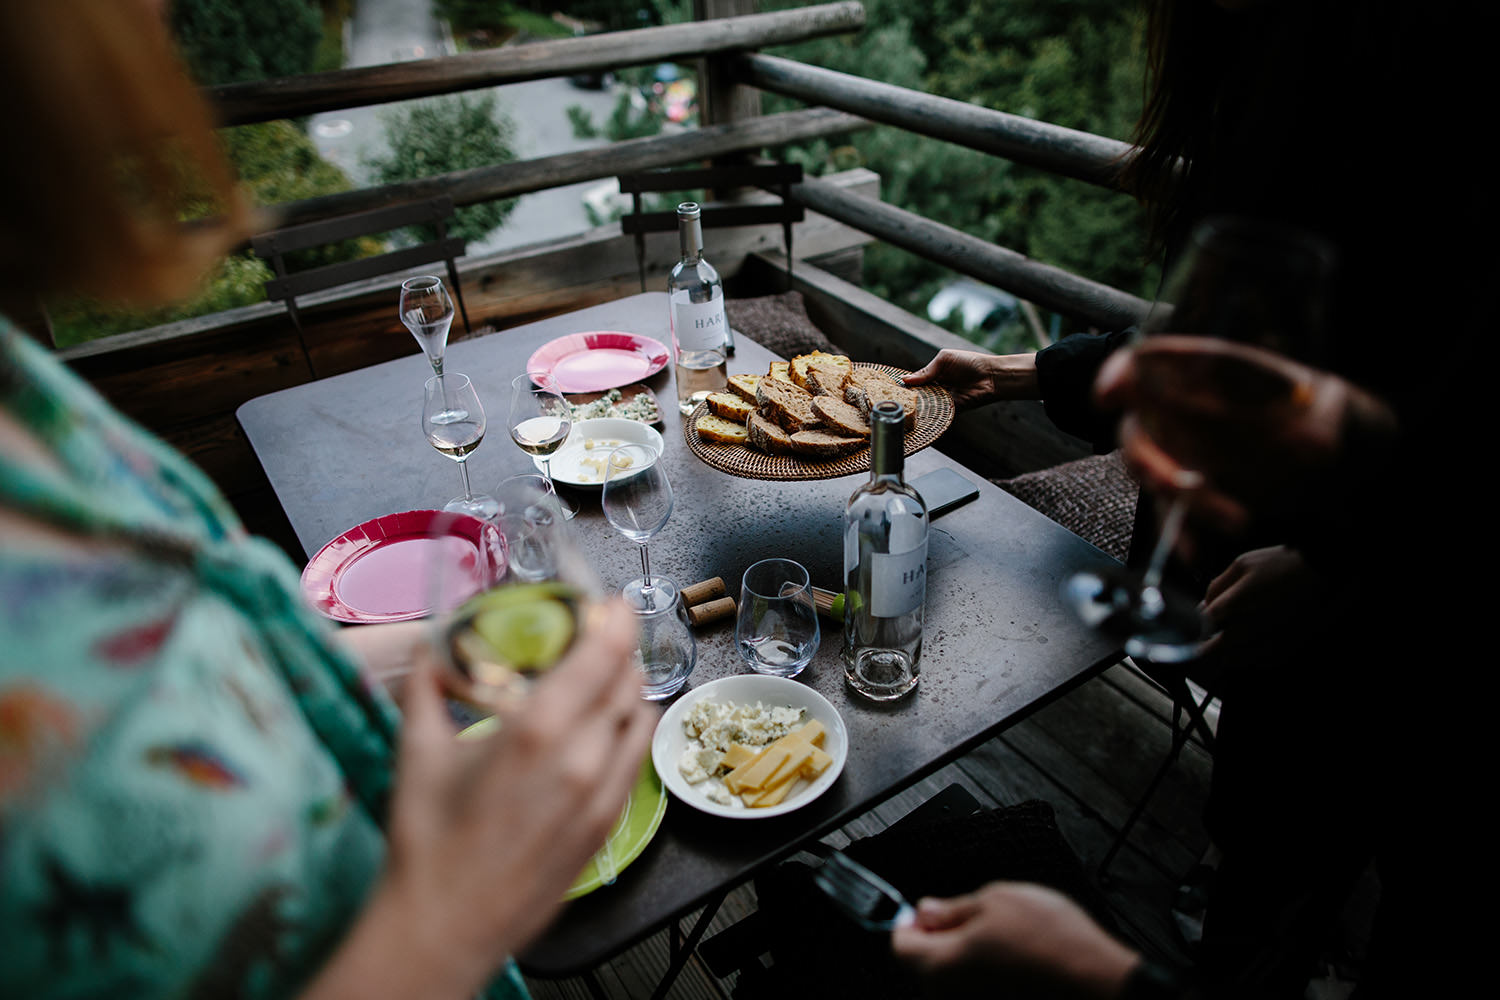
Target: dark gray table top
[[998, 643]]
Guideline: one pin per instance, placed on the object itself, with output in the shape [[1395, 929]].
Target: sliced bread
[[719, 430], [779, 369], [866, 387], [824, 379], [766, 435], [730, 406], [787, 404], [841, 417], [825, 444], [744, 385], [803, 362]]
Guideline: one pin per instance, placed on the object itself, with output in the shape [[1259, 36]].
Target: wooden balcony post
[[721, 99]]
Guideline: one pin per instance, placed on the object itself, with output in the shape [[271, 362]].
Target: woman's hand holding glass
[[1240, 282], [486, 835]]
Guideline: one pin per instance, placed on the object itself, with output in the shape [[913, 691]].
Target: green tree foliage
[[276, 162], [227, 41], [1076, 63], [444, 135]]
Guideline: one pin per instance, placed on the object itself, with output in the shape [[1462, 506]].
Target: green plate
[[631, 833]]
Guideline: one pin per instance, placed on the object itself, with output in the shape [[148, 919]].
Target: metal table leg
[[681, 950]]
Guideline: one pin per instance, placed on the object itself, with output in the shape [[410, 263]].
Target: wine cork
[[704, 614], [703, 591]]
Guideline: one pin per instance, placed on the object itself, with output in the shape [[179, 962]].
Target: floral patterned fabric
[[191, 774]]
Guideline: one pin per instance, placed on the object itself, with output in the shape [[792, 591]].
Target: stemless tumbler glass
[[777, 630]]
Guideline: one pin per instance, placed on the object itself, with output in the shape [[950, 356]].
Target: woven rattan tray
[[934, 416]]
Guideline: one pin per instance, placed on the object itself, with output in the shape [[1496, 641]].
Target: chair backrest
[[286, 286], [777, 177]]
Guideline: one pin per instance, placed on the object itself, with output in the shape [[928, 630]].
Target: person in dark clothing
[[1270, 111]]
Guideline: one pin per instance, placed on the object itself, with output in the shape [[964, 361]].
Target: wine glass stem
[[463, 470], [1171, 527], [645, 570], [437, 364]]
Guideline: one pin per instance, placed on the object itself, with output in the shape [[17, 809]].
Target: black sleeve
[[1065, 373]]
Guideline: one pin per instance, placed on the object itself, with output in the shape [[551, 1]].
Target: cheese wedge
[[757, 772], [775, 796]]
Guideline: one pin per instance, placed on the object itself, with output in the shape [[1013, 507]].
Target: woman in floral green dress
[[202, 792]]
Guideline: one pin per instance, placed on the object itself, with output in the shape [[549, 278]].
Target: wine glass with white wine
[[427, 311], [454, 424], [1258, 283], [540, 421]]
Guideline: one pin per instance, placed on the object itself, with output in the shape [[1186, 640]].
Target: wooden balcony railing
[[185, 380]]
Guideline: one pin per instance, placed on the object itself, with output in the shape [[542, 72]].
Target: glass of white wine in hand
[[454, 423], [1241, 280], [540, 421]]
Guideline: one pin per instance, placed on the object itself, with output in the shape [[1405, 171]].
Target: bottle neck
[[887, 457], [690, 235]]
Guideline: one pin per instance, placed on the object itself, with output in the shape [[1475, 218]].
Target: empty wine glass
[[540, 421], [453, 421], [1248, 281], [638, 501], [427, 311], [777, 630]]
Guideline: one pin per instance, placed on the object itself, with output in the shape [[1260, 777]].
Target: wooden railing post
[[721, 98]]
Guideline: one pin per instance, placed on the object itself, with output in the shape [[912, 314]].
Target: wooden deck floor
[[1089, 754]]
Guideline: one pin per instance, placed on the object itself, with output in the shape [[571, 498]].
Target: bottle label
[[699, 326], [898, 581]]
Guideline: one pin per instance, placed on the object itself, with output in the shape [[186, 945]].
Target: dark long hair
[[1264, 110], [1351, 118]]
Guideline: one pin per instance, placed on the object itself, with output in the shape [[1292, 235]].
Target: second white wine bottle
[[700, 330], [885, 569]]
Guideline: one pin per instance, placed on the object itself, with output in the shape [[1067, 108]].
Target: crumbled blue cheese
[[710, 728], [640, 407]]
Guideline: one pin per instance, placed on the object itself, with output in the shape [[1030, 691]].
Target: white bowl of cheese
[[675, 752], [583, 457]]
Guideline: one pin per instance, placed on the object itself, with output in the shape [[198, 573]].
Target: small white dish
[[669, 742], [581, 460]]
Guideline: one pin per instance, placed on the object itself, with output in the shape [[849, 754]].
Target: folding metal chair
[[1188, 716]]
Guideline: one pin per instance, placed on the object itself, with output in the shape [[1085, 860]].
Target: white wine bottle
[[700, 330], [885, 569]]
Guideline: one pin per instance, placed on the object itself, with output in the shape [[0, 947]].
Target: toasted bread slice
[[744, 385], [780, 369], [802, 362], [720, 431], [730, 406], [841, 417], [825, 444], [765, 434], [825, 379], [787, 404], [907, 398], [866, 387]]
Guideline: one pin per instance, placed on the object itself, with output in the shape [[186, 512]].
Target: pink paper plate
[[384, 570], [593, 362]]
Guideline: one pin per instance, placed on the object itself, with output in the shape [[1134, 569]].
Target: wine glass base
[[1170, 629], [660, 597], [479, 505]]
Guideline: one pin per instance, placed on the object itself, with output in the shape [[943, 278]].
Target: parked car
[[982, 307]]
